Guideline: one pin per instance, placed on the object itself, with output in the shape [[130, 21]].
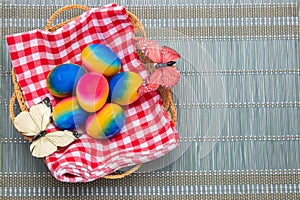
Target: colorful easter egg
[[123, 88], [92, 91], [100, 58], [63, 79], [68, 115], [106, 123]]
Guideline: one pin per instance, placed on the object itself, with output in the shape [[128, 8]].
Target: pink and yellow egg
[[123, 88], [100, 58], [107, 122], [92, 91]]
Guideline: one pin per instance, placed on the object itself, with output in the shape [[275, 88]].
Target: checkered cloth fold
[[148, 132]]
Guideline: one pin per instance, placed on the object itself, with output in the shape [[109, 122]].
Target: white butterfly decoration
[[35, 122]]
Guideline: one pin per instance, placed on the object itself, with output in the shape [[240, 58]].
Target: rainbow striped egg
[[123, 88], [68, 115], [100, 58], [63, 79], [106, 123], [92, 91]]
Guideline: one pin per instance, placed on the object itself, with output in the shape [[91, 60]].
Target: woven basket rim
[[166, 94]]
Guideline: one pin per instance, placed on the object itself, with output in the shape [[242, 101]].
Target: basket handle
[[17, 94], [11, 106], [138, 25], [48, 26]]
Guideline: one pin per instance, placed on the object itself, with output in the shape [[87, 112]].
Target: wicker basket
[[166, 94]]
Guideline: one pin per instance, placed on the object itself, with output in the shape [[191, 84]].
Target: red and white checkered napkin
[[148, 132]]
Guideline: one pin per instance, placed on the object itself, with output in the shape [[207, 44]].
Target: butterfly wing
[[42, 147], [61, 138], [41, 114], [36, 120], [151, 49], [25, 124], [169, 54], [165, 76], [156, 53], [156, 77], [48, 144], [143, 43]]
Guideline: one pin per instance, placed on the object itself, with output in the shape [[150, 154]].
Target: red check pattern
[[148, 132]]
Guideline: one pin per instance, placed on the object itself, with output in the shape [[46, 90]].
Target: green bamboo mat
[[251, 47]]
